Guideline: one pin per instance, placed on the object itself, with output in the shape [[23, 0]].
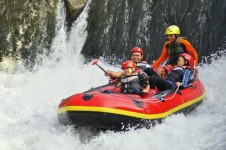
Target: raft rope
[[163, 99], [143, 100]]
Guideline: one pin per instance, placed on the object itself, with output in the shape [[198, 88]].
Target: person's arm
[[114, 74], [162, 58], [190, 49]]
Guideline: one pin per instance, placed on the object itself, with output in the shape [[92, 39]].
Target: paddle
[[95, 62], [165, 62]]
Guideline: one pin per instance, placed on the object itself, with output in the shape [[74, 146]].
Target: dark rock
[[115, 26]]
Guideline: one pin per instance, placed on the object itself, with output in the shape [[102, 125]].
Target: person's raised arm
[[114, 74], [162, 58]]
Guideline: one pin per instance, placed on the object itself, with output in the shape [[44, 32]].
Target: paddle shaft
[[165, 63], [101, 68]]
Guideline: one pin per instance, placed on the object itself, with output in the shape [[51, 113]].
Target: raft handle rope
[[164, 99], [133, 98]]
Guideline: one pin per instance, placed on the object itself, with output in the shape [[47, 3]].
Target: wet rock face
[[115, 26], [26, 28], [74, 8], [76, 4]]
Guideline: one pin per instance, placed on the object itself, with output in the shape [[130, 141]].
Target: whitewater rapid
[[29, 101], [28, 104]]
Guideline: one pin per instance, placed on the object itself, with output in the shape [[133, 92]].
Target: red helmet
[[137, 49], [128, 64], [189, 59]]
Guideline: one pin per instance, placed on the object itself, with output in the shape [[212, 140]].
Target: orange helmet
[[128, 64], [137, 49], [189, 58]]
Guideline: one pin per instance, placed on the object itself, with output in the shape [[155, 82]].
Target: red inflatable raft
[[99, 108]]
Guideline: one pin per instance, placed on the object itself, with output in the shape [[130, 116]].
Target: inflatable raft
[[106, 108]]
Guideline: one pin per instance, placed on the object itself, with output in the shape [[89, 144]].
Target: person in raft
[[136, 55], [179, 76], [132, 82], [175, 46]]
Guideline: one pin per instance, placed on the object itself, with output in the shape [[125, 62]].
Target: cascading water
[[29, 100]]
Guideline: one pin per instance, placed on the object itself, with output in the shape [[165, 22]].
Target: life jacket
[[175, 49], [184, 74], [130, 82], [175, 75], [142, 65], [186, 77], [193, 73]]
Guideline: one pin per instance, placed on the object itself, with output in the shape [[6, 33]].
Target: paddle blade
[[95, 62]]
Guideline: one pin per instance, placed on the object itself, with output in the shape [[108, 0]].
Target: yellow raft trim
[[127, 113]]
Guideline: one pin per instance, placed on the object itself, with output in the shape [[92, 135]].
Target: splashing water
[[29, 100]]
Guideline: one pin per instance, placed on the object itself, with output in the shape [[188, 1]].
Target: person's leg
[[150, 72], [137, 91], [160, 83]]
